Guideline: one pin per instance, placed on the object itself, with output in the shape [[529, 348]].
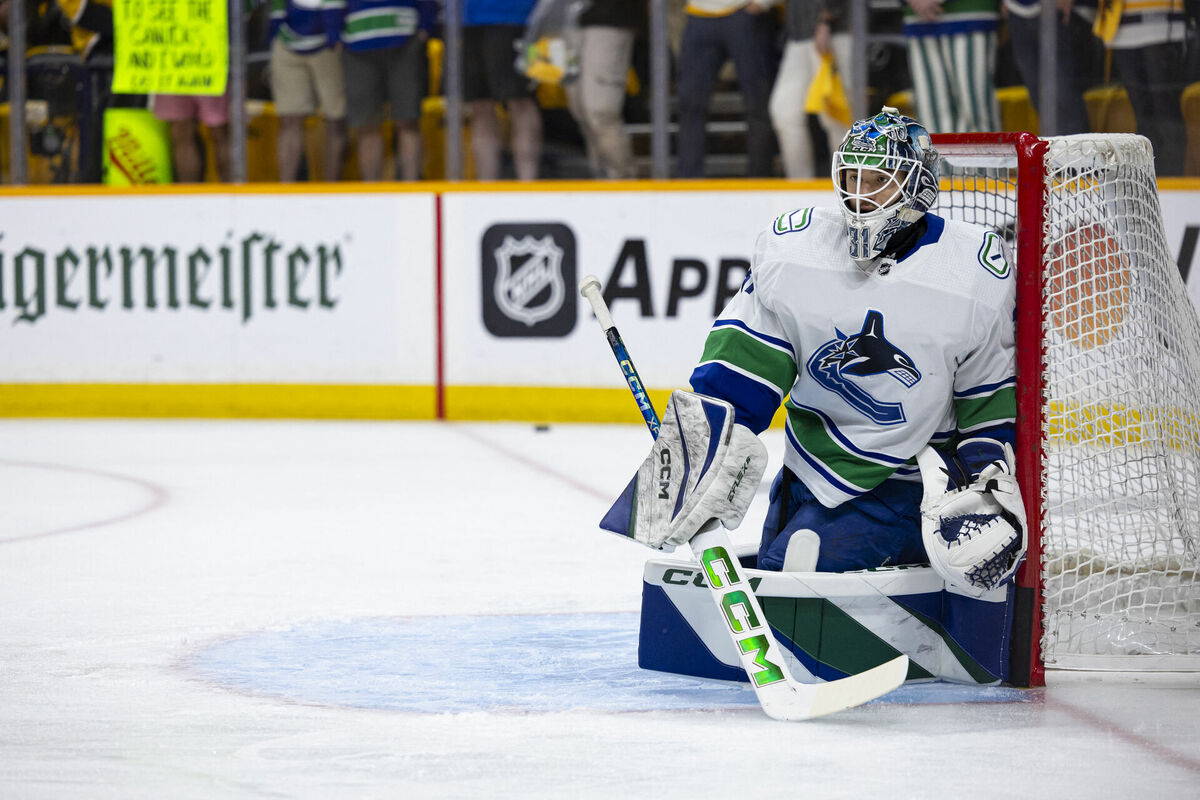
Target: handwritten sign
[[170, 46]]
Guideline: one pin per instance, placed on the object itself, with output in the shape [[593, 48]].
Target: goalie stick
[[779, 694]]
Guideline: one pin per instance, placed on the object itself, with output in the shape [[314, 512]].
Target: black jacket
[[617, 14]]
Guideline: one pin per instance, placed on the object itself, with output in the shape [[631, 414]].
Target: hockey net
[[1108, 398]]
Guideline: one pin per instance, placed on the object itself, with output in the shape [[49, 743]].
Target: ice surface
[[290, 609]]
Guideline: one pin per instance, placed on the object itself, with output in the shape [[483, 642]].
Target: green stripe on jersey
[[999, 406], [381, 22], [294, 41], [739, 349], [953, 8], [816, 441]]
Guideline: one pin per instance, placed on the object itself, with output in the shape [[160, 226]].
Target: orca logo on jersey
[[837, 363]]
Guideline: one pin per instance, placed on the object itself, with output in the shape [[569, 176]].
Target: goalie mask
[[886, 176]]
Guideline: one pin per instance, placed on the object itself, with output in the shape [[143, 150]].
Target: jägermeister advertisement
[[253, 285]]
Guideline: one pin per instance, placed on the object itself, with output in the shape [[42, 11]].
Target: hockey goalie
[[896, 522]]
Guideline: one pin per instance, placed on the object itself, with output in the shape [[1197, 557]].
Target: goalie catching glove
[[974, 535], [703, 466]]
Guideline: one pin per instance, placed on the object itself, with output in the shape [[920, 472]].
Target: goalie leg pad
[[703, 466]]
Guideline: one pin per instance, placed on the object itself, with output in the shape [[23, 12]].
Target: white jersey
[[873, 366]]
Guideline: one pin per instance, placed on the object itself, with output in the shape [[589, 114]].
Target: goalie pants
[[879, 528]]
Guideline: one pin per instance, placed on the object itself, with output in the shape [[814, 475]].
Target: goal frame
[[1026, 664]]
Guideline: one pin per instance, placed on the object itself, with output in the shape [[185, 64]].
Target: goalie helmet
[[886, 176]]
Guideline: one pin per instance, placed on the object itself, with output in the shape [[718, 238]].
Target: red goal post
[[1108, 399]]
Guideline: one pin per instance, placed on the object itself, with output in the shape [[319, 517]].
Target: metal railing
[[660, 125]]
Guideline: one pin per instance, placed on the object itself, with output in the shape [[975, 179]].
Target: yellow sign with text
[[137, 148], [170, 46]]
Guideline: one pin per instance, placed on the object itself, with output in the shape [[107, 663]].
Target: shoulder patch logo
[[793, 221], [837, 363], [991, 255]]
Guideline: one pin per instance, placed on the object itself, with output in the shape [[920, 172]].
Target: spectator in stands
[[47, 30], [490, 30], [181, 113], [717, 31], [385, 63], [952, 57], [815, 29], [597, 97], [306, 73], [92, 38], [91, 26], [1024, 25], [1148, 45]]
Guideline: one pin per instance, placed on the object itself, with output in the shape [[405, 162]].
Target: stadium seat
[[1191, 118], [1016, 111], [1109, 110]]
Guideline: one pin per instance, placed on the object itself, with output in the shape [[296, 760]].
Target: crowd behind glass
[[365, 89]]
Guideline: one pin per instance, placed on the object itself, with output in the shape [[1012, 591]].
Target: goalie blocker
[[703, 466]]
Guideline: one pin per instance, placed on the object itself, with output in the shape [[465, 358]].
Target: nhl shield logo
[[540, 269], [527, 270]]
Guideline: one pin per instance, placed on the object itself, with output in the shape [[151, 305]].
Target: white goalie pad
[[703, 466], [974, 535]]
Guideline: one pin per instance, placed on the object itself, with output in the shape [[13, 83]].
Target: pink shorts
[[212, 111]]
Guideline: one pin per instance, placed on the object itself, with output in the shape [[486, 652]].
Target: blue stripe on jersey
[[819, 468], [986, 388], [846, 443], [1001, 432], [755, 402], [950, 28], [934, 226], [737, 323]]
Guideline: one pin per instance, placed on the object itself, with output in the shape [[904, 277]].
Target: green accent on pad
[[999, 406], [739, 349], [831, 636], [770, 672], [973, 667], [816, 441]]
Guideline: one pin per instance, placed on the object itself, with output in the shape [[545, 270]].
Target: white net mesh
[[1121, 488]]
